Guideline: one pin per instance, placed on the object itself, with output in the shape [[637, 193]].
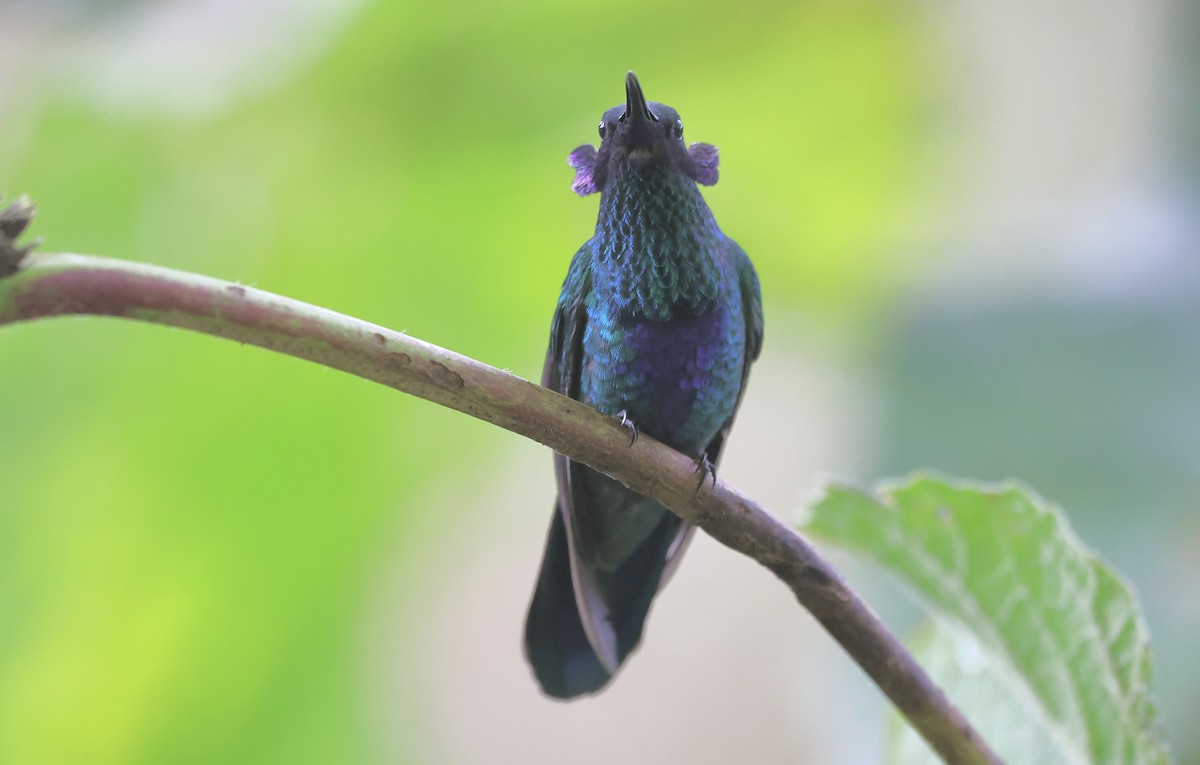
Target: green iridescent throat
[[658, 239]]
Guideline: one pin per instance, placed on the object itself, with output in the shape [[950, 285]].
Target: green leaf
[[989, 691], [1040, 642]]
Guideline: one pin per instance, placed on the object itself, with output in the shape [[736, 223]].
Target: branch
[[45, 285]]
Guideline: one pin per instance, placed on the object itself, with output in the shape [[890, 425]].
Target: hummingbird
[[658, 322]]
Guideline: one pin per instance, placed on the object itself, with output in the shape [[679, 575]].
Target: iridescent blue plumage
[[658, 321]]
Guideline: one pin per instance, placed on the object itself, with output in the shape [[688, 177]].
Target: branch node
[[14, 219]]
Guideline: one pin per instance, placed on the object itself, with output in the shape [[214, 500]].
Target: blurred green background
[[975, 228]]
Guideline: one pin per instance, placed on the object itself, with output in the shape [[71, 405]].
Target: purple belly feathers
[[676, 379]]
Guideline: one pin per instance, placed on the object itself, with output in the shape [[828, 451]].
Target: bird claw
[[706, 470], [626, 422]]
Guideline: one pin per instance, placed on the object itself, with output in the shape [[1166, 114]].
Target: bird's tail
[[564, 661]]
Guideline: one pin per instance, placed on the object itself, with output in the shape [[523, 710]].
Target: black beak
[[636, 109]]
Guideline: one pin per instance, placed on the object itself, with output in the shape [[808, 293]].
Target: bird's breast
[[677, 379]]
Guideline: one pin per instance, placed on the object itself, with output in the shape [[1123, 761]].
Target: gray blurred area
[[1059, 340]]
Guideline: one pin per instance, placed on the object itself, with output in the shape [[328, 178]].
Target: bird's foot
[[706, 470], [626, 422]]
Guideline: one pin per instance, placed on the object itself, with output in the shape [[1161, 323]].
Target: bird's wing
[[564, 356], [752, 314], [564, 368], [562, 373]]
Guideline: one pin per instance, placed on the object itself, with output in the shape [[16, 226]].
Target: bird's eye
[[679, 127], [603, 129]]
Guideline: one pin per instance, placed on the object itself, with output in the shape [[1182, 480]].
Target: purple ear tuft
[[583, 159], [704, 161]]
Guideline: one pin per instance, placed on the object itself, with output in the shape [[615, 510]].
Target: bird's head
[[637, 136]]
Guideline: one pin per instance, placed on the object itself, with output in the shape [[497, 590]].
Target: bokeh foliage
[[186, 525]]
